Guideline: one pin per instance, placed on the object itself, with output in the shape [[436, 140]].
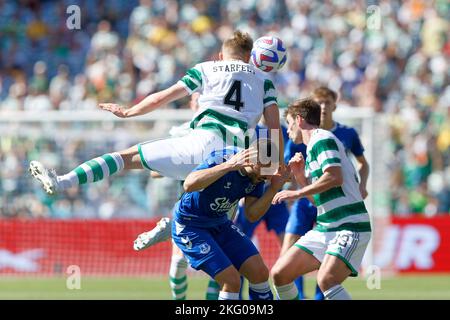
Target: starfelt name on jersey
[[234, 67]]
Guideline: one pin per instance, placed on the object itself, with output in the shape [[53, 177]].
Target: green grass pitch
[[409, 287]]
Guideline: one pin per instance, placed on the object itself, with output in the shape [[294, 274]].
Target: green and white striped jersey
[[339, 208], [233, 95]]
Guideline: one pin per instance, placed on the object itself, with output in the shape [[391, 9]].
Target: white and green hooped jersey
[[233, 95], [340, 208]]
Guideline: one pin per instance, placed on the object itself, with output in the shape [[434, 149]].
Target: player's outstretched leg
[[160, 233], [91, 171], [47, 177]]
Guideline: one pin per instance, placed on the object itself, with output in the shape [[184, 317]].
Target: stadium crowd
[[397, 65]]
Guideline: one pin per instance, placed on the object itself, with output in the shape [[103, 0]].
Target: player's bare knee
[[260, 274], [232, 283], [278, 275], [229, 280], [326, 281], [131, 158]]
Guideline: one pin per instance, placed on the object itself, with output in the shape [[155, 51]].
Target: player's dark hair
[[240, 43], [307, 109], [325, 93]]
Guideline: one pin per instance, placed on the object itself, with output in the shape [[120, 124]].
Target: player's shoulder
[[345, 129], [321, 134], [203, 65], [320, 140]]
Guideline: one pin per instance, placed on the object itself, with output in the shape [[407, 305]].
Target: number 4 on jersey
[[234, 92]]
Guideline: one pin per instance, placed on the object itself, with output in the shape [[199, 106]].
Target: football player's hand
[[114, 108], [285, 195], [244, 158], [363, 191], [280, 177], [297, 163]]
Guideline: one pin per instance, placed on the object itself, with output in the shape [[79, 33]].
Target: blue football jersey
[[348, 136], [290, 149], [210, 206]]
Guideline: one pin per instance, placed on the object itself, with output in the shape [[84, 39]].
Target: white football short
[[349, 246], [176, 157]]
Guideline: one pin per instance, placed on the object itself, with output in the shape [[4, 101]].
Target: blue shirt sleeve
[[288, 151], [285, 134], [357, 149], [291, 149]]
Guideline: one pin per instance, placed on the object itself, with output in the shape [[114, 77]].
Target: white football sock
[[92, 171], [228, 295], [337, 293], [177, 277], [287, 292]]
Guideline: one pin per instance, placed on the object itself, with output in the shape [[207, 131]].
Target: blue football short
[[302, 217], [213, 249], [275, 218]]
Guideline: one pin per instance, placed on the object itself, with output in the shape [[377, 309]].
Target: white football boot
[[160, 233], [46, 177]]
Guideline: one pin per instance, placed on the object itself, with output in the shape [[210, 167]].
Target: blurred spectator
[[60, 86], [104, 39], [39, 80]]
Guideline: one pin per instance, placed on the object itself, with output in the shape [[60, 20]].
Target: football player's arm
[[256, 207], [272, 120], [201, 179], [363, 171], [363, 166], [150, 103], [332, 177]]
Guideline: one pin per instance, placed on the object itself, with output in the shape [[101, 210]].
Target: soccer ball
[[268, 54]]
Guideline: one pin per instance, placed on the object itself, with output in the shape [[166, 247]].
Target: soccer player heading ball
[[234, 94], [203, 231]]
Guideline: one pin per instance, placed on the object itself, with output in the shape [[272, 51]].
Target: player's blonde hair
[[240, 44], [325, 93]]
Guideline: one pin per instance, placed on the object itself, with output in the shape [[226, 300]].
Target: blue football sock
[[299, 284], [319, 295], [260, 291]]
